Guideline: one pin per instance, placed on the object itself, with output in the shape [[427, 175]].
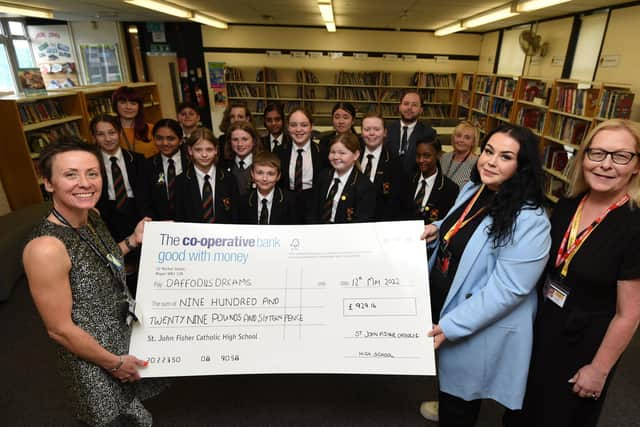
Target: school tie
[[264, 213], [297, 177], [367, 169], [420, 195], [241, 163], [328, 203], [118, 183], [171, 181], [404, 142], [207, 201]]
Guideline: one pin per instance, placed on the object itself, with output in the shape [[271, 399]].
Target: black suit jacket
[[121, 222], [266, 142], [283, 210], [390, 183], [151, 193], [189, 200], [441, 199], [394, 136], [357, 202]]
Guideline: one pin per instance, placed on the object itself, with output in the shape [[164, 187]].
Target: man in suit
[[402, 134], [274, 122]]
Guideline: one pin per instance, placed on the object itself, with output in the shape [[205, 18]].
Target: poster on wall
[[217, 84], [101, 63], [31, 81], [54, 55]]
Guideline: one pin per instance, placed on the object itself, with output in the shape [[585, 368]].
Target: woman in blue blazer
[[489, 253]]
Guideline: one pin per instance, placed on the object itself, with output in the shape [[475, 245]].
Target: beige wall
[[557, 34], [512, 58], [488, 52], [592, 30], [621, 38]]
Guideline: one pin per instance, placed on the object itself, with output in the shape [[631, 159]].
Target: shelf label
[[609, 61], [557, 61]]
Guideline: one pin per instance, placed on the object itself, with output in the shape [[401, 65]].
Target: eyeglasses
[[617, 157]]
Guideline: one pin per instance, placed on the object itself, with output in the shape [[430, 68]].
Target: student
[[235, 112], [431, 193], [266, 203], [274, 122], [343, 117], [301, 162], [238, 155], [120, 170], [205, 193], [383, 169], [403, 134], [157, 189], [189, 118], [136, 132], [343, 193]]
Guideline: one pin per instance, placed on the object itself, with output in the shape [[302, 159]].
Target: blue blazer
[[488, 314]]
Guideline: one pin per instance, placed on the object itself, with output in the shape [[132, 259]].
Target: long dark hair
[[522, 191], [126, 93], [168, 123]]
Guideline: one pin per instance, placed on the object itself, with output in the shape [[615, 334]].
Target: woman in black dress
[[591, 294]]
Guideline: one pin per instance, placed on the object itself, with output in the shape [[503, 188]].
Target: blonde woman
[[458, 164]]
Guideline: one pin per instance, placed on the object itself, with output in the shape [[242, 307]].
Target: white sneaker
[[429, 410]]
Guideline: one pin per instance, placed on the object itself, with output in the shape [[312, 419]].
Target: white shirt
[[307, 166], [212, 180], [269, 198], [177, 164], [336, 199], [427, 191], [275, 141], [374, 161], [247, 161], [125, 176]]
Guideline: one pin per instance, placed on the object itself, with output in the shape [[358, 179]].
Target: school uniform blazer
[[319, 160], [357, 202], [394, 136], [266, 142], [443, 195], [189, 200], [242, 177], [488, 314], [151, 192], [282, 208], [390, 184], [119, 222]]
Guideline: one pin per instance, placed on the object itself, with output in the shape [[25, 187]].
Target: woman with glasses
[[590, 305]]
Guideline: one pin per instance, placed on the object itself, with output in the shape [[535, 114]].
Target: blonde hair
[[464, 124], [579, 185]]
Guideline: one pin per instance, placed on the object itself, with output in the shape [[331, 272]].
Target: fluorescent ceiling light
[[207, 20], [162, 7], [326, 10], [331, 26], [492, 15], [132, 30], [529, 5], [452, 28], [36, 12]]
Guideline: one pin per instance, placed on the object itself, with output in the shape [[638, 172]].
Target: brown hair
[[226, 118], [129, 94], [303, 111], [266, 158], [247, 127]]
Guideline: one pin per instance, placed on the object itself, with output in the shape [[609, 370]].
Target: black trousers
[[457, 412]]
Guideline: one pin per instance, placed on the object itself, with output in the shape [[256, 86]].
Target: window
[[6, 75], [15, 52]]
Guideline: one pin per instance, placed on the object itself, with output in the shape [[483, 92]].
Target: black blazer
[[266, 142], [441, 199], [390, 183], [394, 136], [151, 192], [283, 210], [121, 222], [319, 160], [357, 202], [242, 177], [189, 200]]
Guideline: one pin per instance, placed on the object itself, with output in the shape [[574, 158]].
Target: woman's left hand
[[438, 336], [588, 382]]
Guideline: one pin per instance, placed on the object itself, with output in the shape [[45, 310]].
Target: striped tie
[[207, 201], [118, 183], [328, 203], [264, 213], [367, 169], [297, 180], [420, 195], [171, 181]]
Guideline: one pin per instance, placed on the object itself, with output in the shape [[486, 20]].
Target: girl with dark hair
[[343, 117], [243, 143], [235, 112], [489, 253], [431, 193], [276, 136], [157, 182], [129, 108]]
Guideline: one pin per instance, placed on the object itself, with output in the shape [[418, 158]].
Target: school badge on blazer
[[226, 202]]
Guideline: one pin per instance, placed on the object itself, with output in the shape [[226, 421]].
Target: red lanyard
[[571, 242], [461, 221]]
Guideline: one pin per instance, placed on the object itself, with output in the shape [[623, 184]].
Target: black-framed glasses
[[617, 157]]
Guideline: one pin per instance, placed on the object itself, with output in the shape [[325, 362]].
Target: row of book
[[501, 107], [464, 98], [558, 159], [505, 87], [447, 81], [616, 104], [481, 103], [233, 74], [37, 140], [267, 75], [483, 84], [99, 105], [358, 94], [306, 76], [572, 100], [35, 112], [357, 78], [531, 118], [245, 91], [568, 129], [555, 187], [467, 80], [534, 89]]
